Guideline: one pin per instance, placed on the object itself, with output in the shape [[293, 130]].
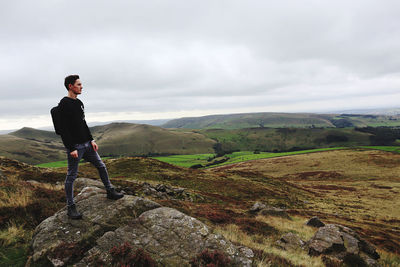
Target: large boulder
[[315, 222], [344, 244], [81, 183], [170, 237]]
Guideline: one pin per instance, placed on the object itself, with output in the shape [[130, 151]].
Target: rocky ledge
[[167, 236]]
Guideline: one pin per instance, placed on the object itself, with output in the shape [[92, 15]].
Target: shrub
[[208, 258], [336, 138], [196, 166], [123, 256], [252, 226]]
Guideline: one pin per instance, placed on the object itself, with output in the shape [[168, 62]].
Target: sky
[[141, 60]]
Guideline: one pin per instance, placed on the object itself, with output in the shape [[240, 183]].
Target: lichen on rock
[[169, 236]]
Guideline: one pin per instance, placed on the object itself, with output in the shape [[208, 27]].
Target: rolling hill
[[116, 139], [282, 120]]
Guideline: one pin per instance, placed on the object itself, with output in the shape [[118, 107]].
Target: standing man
[[79, 143]]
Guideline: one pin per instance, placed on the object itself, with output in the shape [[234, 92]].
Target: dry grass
[[266, 244], [356, 188], [19, 197], [389, 259], [22, 196], [296, 225], [13, 234]]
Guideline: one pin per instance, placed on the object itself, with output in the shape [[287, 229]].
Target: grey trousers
[[85, 151]]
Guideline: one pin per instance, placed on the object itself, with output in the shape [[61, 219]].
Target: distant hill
[[35, 134], [97, 123], [142, 139], [285, 139], [31, 146], [282, 120], [379, 111], [116, 139]]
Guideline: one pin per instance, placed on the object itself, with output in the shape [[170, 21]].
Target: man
[[79, 143]]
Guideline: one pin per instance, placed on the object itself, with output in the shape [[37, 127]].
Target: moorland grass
[[345, 186]]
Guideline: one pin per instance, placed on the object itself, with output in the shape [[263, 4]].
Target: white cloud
[[188, 58]]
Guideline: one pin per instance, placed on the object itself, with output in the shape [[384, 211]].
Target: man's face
[[76, 88]]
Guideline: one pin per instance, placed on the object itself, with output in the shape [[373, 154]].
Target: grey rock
[[99, 215], [80, 183], [257, 207], [170, 237], [315, 222], [342, 243], [162, 191]]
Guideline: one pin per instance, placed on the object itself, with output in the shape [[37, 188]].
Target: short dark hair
[[70, 79]]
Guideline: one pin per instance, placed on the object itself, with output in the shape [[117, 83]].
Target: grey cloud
[[184, 55]]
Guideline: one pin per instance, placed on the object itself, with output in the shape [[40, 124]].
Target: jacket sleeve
[[65, 131]]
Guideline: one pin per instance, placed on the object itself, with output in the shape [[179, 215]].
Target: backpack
[[56, 116]]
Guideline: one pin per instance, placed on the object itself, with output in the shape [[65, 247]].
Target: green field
[[235, 157], [185, 160]]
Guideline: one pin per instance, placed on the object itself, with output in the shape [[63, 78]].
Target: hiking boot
[[112, 194], [73, 213]]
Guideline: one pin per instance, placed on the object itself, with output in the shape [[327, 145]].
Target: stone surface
[[315, 222], [162, 191], [80, 183], [169, 236], [342, 243], [257, 207]]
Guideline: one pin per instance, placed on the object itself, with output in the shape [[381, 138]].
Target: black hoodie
[[74, 129]]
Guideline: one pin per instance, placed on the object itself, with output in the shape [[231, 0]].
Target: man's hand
[[95, 146], [74, 154]]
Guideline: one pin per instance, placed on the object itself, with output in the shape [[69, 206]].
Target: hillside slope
[[346, 187], [281, 120], [356, 188], [117, 139]]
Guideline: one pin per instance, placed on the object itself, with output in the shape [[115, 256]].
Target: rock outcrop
[[266, 210], [315, 222], [162, 191], [159, 191], [170, 237], [344, 244]]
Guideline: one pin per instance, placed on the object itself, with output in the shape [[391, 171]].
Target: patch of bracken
[[209, 258], [252, 226], [123, 255]]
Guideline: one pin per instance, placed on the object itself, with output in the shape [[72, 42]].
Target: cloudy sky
[[167, 59]]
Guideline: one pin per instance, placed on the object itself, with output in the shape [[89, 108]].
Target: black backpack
[[56, 116]]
